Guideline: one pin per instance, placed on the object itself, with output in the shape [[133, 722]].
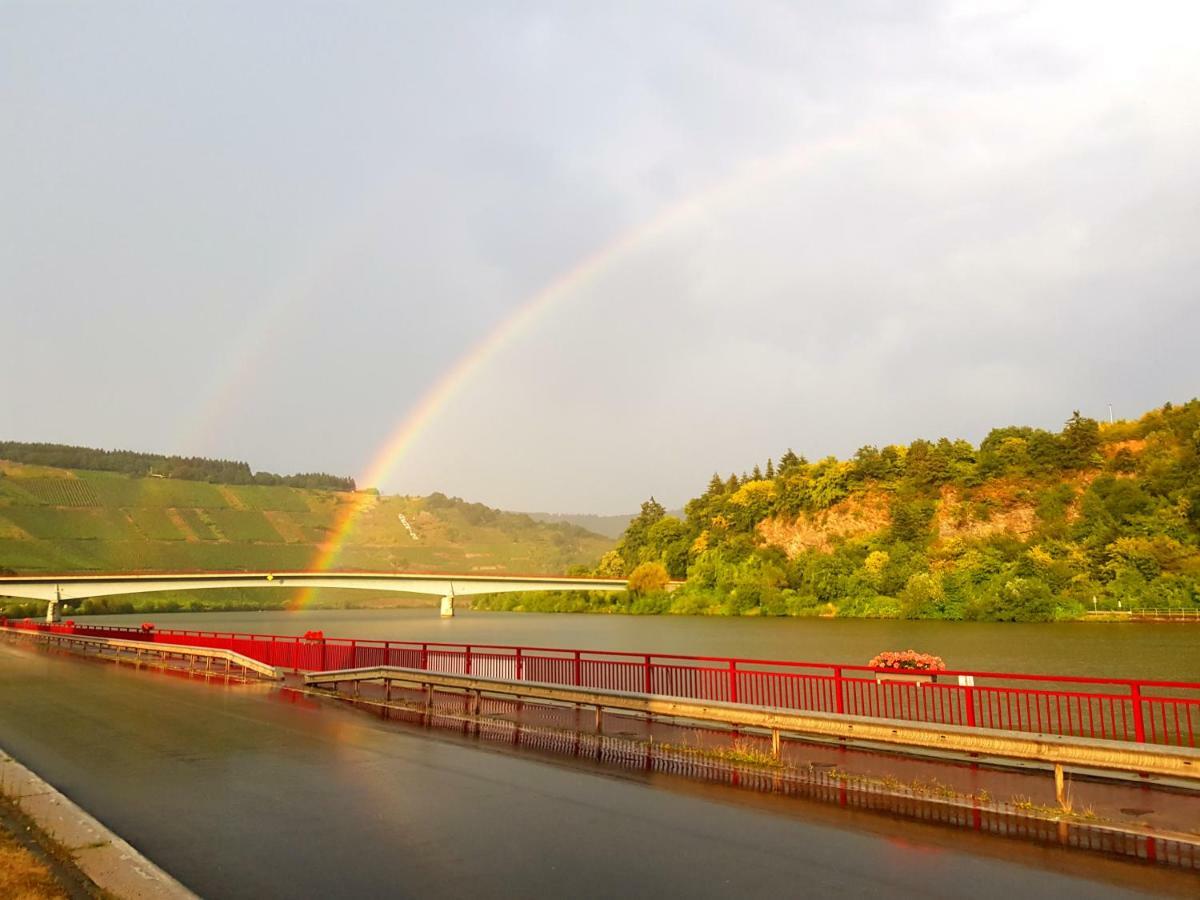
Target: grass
[[23, 876], [199, 524], [741, 751], [57, 523], [115, 490], [244, 525], [264, 497], [155, 524]]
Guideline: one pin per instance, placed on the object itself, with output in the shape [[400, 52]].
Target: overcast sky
[[265, 230]]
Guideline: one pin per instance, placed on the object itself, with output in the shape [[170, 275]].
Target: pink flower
[[907, 659]]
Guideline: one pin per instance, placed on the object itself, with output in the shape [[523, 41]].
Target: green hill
[[1029, 525], [65, 520]]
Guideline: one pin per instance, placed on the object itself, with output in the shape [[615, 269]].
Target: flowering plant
[[907, 659]]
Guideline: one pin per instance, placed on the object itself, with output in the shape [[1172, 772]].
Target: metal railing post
[[424, 656], [468, 660], [839, 699], [578, 670], [646, 680], [520, 667], [733, 681], [1139, 723]]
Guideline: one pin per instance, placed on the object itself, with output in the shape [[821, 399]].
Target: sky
[[578, 254]]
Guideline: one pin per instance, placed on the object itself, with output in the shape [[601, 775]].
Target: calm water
[[1149, 650], [252, 792]]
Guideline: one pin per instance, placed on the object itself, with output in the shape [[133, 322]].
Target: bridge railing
[[1120, 709]]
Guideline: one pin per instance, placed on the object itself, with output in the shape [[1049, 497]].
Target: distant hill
[[55, 519], [188, 468], [609, 526]]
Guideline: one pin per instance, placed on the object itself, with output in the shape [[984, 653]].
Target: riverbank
[[80, 857], [684, 605]]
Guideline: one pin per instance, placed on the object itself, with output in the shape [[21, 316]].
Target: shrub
[[648, 578]]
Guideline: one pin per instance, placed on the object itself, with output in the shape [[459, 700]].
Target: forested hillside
[[1029, 525], [61, 520], [188, 468]]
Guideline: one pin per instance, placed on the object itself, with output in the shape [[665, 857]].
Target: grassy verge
[[32, 867]]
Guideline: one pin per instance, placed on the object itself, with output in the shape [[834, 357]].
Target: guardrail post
[[353, 654], [424, 656], [1139, 724], [520, 667], [969, 699], [578, 668], [468, 660], [839, 699], [733, 680], [646, 681]]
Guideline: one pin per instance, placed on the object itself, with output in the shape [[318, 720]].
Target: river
[[1159, 651]]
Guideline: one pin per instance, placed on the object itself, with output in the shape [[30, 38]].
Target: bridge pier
[[448, 606], [54, 610]]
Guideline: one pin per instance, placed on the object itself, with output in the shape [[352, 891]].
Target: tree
[[637, 532], [648, 578], [611, 565], [1081, 442], [790, 462]]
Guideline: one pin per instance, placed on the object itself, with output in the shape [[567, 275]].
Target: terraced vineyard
[[59, 520]]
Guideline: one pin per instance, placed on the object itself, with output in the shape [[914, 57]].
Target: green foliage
[[1041, 523], [648, 578]]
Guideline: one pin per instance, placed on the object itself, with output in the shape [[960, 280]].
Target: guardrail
[[1118, 709], [138, 648], [1050, 750], [1186, 615]]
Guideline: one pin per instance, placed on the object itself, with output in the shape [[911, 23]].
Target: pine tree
[[770, 469], [788, 462]]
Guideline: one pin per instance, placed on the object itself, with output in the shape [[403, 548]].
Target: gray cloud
[[265, 231]]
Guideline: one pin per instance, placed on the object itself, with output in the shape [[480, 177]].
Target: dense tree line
[[193, 468], [1099, 517]]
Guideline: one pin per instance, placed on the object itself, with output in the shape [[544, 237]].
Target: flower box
[[902, 677]]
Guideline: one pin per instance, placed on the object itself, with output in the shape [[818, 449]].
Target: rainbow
[[748, 178]]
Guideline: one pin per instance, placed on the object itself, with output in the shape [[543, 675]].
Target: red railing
[[1121, 709]]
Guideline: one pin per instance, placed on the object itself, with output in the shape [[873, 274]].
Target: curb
[[107, 859]]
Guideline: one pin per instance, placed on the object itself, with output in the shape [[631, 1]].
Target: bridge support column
[[448, 606], [54, 612]]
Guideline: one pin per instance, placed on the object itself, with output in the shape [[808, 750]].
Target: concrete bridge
[[55, 589]]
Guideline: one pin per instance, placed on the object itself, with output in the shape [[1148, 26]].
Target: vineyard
[[61, 521]]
